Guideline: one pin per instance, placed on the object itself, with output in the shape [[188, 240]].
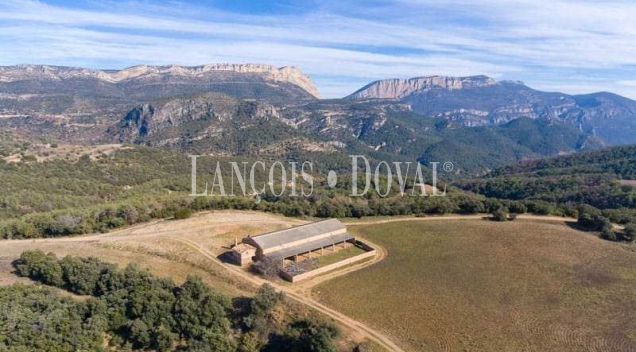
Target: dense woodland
[[130, 309], [596, 179]]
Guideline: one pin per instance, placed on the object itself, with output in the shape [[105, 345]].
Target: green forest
[[130, 309], [586, 178]]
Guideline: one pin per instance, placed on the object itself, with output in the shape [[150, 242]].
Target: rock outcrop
[[482, 101], [146, 120], [398, 88]]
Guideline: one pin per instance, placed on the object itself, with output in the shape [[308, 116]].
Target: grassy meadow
[[476, 285]]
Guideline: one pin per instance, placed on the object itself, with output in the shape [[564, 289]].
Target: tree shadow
[[576, 226]]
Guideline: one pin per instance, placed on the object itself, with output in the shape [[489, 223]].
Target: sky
[[554, 45]]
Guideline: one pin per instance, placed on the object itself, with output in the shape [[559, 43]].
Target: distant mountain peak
[[398, 88], [287, 74]]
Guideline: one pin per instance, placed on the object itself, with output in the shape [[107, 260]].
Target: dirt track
[[299, 292], [454, 217], [196, 233], [357, 326]]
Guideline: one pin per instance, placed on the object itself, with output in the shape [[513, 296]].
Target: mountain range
[[482, 101], [255, 109]]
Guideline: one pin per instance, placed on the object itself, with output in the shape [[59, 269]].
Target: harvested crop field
[[476, 285]]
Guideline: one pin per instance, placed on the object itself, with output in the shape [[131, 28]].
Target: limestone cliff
[[398, 88], [288, 74]]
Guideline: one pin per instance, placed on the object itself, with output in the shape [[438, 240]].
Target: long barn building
[[289, 243]]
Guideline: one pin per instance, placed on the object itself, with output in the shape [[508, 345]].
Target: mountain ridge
[[482, 101], [397, 88], [289, 74], [234, 109]]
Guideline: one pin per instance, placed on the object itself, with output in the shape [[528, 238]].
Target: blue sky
[[557, 45]]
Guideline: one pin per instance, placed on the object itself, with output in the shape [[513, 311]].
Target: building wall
[[242, 259], [330, 267], [246, 259]]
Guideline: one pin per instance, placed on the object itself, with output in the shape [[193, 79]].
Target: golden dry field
[[155, 246], [476, 285]]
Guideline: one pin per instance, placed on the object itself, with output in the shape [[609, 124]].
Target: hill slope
[[594, 178]]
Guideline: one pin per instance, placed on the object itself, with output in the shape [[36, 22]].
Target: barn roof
[[306, 247], [303, 232]]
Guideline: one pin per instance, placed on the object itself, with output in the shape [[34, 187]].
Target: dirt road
[[453, 217], [355, 325]]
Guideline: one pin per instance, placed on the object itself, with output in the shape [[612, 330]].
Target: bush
[[512, 216], [182, 213], [29, 158], [594, 222], [267, 267], [471, 206], [500, 214], [629, 233], [259, 320], [306, 335], [41, 267], [265, 300], [608, 234]]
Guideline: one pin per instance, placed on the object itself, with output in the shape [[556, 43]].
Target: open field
[[475, 285]]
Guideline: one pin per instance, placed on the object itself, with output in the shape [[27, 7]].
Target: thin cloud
[[537, 41]]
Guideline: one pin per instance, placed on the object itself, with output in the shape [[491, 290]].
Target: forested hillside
[[84, 194], [601, 179], [50, 194]]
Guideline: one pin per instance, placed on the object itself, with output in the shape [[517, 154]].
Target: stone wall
[[371, 252]]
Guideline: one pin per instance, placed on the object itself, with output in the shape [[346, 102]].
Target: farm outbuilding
[[243, 253], [295, 241]]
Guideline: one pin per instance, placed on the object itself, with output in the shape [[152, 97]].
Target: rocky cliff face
[[215, 124], [401, 88], [286, 74], [193, 117]]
